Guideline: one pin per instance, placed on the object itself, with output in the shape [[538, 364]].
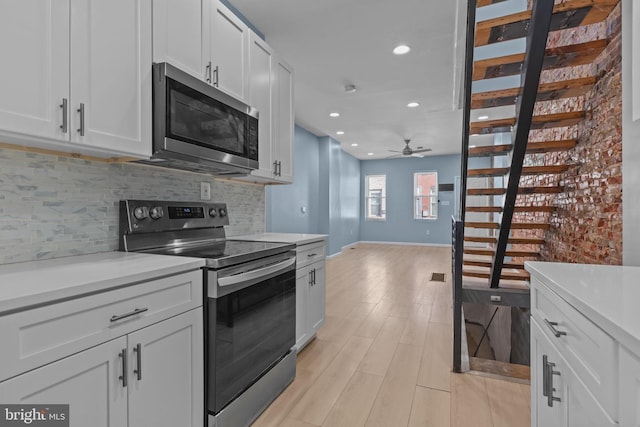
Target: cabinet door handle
[[310, 282], [65, 119], [275, 168], [548, 384], [115, 318], [216, 72], [123, 377], [81, 111], [552, 326], [279, 168], [207, 73], [138, 351]]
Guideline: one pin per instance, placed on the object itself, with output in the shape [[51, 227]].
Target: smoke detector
[[350, 88]]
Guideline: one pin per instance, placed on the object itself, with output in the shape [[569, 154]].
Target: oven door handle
[[255, 274]]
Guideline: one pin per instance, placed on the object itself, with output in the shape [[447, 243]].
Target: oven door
[[251, 325]]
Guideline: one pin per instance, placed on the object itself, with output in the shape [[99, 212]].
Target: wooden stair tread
[[507, 275], [487, 264], [521, 190], [555, 57], [569, 14], [544, 121], [546, 92], [498, 209], [511, 241], [514, 225], [527, 170], [509, 252], [532, 148]]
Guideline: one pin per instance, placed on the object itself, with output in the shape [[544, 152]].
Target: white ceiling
[[331, 43]]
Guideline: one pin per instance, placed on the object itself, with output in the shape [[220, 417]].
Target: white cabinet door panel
[[169, 390], [629, 378], [315, 314], [34, 48], [88, 381], [111, 74], [261, 80], [180, 29], [302, 292], [230, 51], [284, 122]]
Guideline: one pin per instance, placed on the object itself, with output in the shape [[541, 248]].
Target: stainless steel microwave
[[197, 127]]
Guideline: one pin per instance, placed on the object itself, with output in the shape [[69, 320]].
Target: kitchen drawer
[[38, 336], [310, 253], [591, 352]]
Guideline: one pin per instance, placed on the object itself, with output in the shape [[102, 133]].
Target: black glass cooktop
[[227, 252]]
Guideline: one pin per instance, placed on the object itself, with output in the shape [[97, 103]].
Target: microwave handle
[[257, 273]]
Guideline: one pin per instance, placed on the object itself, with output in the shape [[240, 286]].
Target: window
[[376, 197], [425, 195]]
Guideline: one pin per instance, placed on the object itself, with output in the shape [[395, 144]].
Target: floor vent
[[437, 277]]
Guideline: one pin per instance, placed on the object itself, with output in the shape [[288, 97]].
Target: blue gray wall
[[326, 184], [399, 225]]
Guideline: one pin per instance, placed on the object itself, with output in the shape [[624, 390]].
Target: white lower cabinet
[[310, 291], [629, 377], [559, 397], [151, 377], [166, 365], [87, 381]]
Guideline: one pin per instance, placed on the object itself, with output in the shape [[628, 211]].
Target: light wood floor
[[383, 357]]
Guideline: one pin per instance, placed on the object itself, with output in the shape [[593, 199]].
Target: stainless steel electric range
[[249, 302]]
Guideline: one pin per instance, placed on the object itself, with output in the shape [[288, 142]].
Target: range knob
[[223, 212], [213, 212], [156, 212], [141, 212]]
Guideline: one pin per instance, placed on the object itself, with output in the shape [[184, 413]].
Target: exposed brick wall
[[586, 226]]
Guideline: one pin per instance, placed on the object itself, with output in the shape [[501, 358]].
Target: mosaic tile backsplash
[[52, 206]]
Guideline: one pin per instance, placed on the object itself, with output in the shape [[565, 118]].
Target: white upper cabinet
[[181, 34], [34, 47], [283, 144], [77, 71], [229, 52], [111, 74], [261, 82]]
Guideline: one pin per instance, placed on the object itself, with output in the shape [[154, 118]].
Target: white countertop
[[608, 295], [26, 284], [297, 238]]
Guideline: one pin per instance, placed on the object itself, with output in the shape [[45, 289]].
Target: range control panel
[[146, 216]]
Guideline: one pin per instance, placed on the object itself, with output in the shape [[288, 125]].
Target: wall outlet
[[205, 191], [428, 232]]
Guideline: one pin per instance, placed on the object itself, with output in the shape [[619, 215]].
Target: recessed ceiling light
[[369, 154], [354, 145], [350, 88], [413, 105], [483, 117], [472, 146], [401, 49], [475, 134], [334, 114], [340, 132]]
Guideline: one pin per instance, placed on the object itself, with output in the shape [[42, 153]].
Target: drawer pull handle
[[311, 255], [115, 318], [552, 326], [123, 377], [138, 371]]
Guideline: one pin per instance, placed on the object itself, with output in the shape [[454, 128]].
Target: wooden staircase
[[504, 213]]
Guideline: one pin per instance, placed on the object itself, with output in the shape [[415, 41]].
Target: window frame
[[368, 198], [432, 196]]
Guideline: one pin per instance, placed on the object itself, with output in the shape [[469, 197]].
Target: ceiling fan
[[408, 151]]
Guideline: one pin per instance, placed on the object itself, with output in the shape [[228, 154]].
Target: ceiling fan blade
[[395, 156], [394, 151], [424, 150], [416, 155]]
